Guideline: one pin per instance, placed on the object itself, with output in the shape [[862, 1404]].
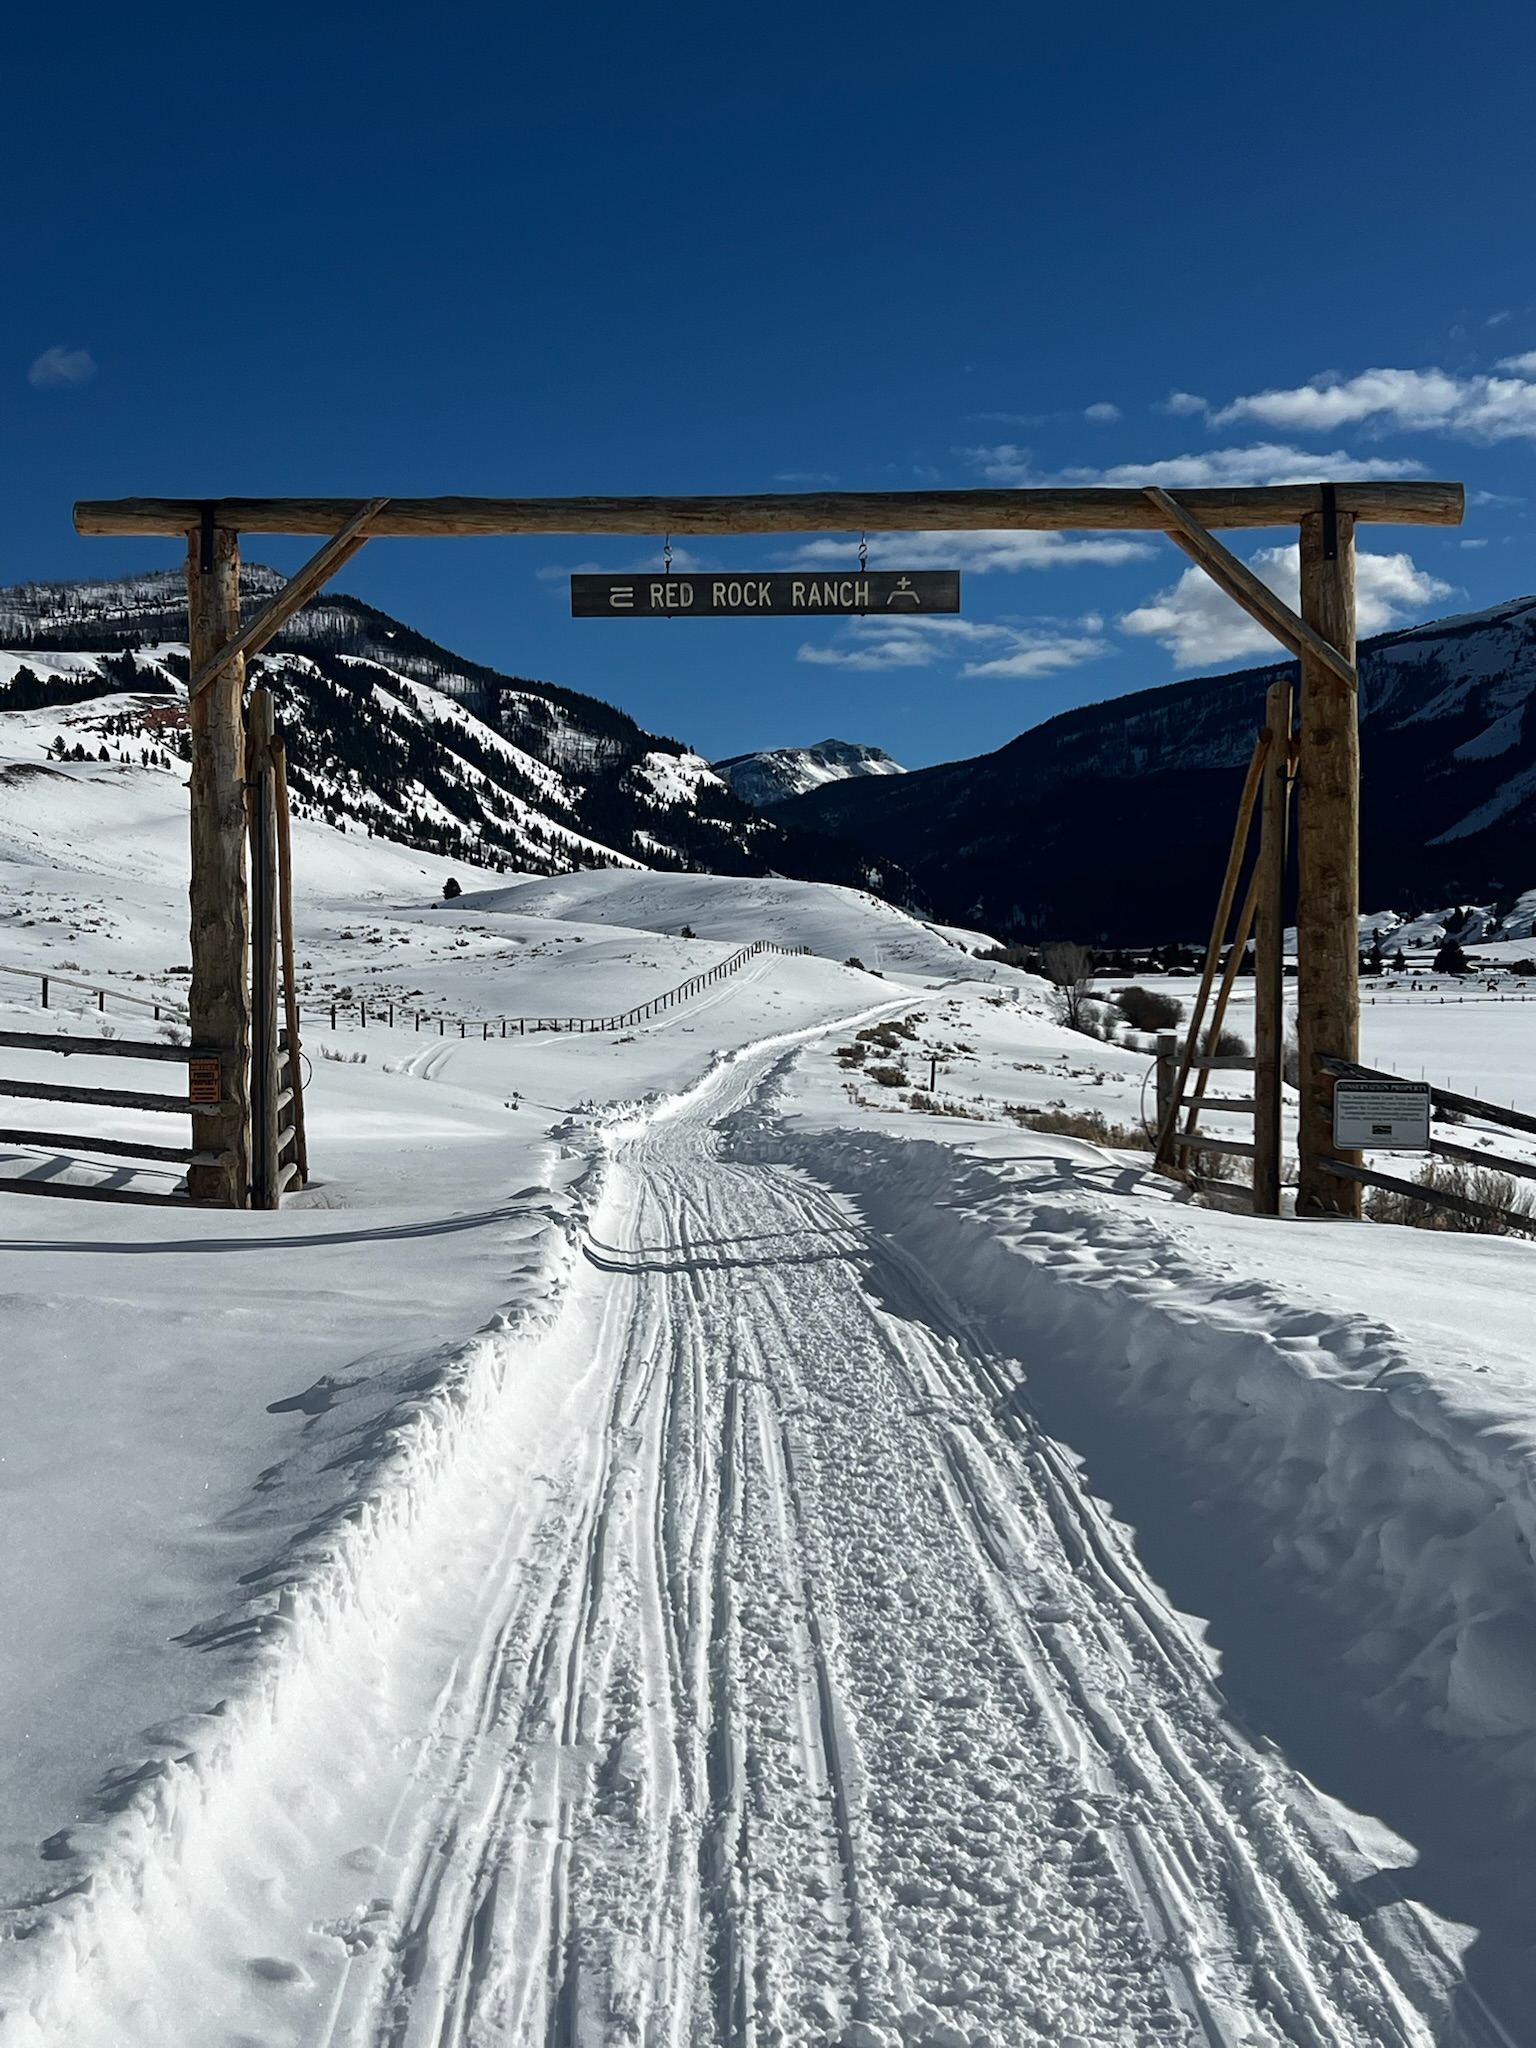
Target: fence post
[[285, 934], [45, 991], [1167, 1063], [261, 801]]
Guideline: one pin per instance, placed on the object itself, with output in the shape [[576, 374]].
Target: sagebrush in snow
[[1483, 1184]]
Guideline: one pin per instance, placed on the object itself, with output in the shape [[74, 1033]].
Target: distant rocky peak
[[777, 773]]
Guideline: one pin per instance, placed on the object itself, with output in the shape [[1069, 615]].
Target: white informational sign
[[1381, 1116]]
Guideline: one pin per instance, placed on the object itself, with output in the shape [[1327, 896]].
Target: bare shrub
[[1070, 967], [888, 1077], [1148, 1009], [1453, 1177], [1212, 1165], [1230, 1044], [1089, 1124], [888, 1034], [930, 1105]]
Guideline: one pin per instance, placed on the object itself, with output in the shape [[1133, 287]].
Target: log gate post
[[1328, 857], [218, 1002]]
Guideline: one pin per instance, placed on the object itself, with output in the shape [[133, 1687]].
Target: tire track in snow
[[810, 1698], [1273, 1909], [1002, 1798]]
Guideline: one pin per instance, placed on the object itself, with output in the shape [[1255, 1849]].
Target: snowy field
[[668, 1542]]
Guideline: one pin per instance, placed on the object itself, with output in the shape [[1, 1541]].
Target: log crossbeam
[[1089, 508], [295, 593]]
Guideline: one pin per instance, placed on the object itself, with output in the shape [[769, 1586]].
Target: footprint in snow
[[276, 1970], [314, 1400]]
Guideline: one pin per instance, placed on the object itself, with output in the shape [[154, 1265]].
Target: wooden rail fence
[[1447, 1102], [205, 1087], [1444, 1102]]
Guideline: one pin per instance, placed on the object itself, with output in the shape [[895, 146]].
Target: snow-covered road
[[754, 1671], [818, 1703]]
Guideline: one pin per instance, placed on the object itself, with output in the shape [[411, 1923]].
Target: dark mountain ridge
[[1110, 823], [389, 730]]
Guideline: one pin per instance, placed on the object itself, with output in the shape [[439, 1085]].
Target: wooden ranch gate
[[1321, 635]]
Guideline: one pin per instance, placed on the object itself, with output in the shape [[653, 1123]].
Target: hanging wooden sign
[[774, 594]]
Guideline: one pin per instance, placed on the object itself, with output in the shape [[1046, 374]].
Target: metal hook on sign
[[863, 553], [666, 556]]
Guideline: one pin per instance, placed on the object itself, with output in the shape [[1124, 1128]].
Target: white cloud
[[978, 552], [1035, 648], [1483, 408], [1040, 655], [1525, 365], [1103, 411], [1265, 462], [60, 366], [1006, 463], [1182, 404], [1199, 624]]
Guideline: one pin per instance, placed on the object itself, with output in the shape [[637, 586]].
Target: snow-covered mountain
[[1110, 823], [391, 733], [776, 773]]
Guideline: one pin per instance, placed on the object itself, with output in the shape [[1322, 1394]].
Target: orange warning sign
[[204, 1083]]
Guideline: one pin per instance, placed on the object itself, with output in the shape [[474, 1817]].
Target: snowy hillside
[[391, 734], [779, 772], [1035, 839]]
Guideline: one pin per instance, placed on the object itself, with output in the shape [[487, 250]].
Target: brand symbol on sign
[[904, 592]]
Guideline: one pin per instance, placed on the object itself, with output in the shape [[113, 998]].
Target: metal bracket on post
[[207, 526], [1330, 523]]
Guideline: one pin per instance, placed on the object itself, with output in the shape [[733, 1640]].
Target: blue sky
[[503, 249]]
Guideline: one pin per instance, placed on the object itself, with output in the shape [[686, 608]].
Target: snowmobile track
[[815, 1700]]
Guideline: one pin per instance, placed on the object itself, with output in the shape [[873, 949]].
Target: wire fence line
[[162, 1006], [383, 1011]]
